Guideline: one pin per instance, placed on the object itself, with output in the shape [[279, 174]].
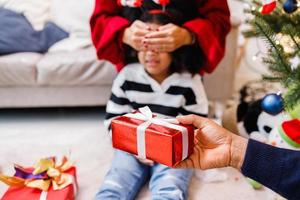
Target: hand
[[215, 147], [134, 35], [145, 161], [167, 38]]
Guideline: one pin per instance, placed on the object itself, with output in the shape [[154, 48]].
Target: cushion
[[36, 11], [73, 16], [17, 34], [18, 69], [79, 67]]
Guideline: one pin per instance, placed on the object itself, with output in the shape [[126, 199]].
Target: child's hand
[[145, 161]]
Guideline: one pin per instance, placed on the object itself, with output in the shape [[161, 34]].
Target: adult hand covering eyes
[[109, 21], [134, 35], [167, 38], [215, 147]]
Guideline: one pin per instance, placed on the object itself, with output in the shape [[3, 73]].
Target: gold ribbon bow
[[52, 174]]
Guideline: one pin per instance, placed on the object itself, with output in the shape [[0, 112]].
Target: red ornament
[[138, 3], [164, 2], [268, 6]]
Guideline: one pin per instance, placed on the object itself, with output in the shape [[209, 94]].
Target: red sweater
[[211, 28]]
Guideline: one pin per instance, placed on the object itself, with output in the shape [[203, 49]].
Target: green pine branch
[[268, 27]]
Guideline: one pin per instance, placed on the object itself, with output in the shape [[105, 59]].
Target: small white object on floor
[[211, 175]]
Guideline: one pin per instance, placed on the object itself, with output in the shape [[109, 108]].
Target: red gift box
[[27, 193], [153, 138]]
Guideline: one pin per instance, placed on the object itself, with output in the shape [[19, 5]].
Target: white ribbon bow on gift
[[147, 116]]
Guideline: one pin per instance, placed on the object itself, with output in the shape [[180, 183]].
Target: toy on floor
[[265, 120], [257, 119]]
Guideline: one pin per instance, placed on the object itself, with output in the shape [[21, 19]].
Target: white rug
[[27, 136]]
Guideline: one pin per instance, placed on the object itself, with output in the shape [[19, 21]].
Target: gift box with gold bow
[[47, 180], [162, 140]]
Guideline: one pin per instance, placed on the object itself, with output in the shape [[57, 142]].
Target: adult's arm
[[278, 169], [107, 27], [211, 28]]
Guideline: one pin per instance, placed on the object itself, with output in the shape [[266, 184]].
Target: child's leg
[[124, 179], [167, 183]]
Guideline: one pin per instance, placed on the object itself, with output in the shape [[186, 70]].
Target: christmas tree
[[278, 24]]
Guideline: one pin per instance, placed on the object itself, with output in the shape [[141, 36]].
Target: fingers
[[141, 25], [161, 48], [162, 31], [197, 121], [193, 161], [183, 164], [158, 41], [139, 32], [167, 27], [140, 28], [187, 163], [162, 44], [145, 161], [157, 34]]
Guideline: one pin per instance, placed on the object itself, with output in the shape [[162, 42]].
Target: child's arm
[[118, 103]]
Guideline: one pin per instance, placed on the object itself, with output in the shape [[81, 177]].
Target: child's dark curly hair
[[186, 58]]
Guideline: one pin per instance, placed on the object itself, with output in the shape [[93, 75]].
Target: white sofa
[[70, 74]]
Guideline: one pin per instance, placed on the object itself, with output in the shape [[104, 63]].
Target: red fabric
[[292, 129], [163, 145], [26, 193], [211, 28]]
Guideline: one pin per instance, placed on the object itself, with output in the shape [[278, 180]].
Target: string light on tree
[[295, 62], [286, 42], [255, 56]]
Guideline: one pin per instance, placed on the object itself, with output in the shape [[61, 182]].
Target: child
[[170, 85]]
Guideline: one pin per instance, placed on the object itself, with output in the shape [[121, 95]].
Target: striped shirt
[[179, 93]]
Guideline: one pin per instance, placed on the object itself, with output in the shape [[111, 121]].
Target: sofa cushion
[[18, 69], [17, 34], [36, 11], [73, 16], [79, 67]]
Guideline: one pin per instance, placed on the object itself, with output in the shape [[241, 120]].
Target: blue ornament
[[290, 6], [272, 104]]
